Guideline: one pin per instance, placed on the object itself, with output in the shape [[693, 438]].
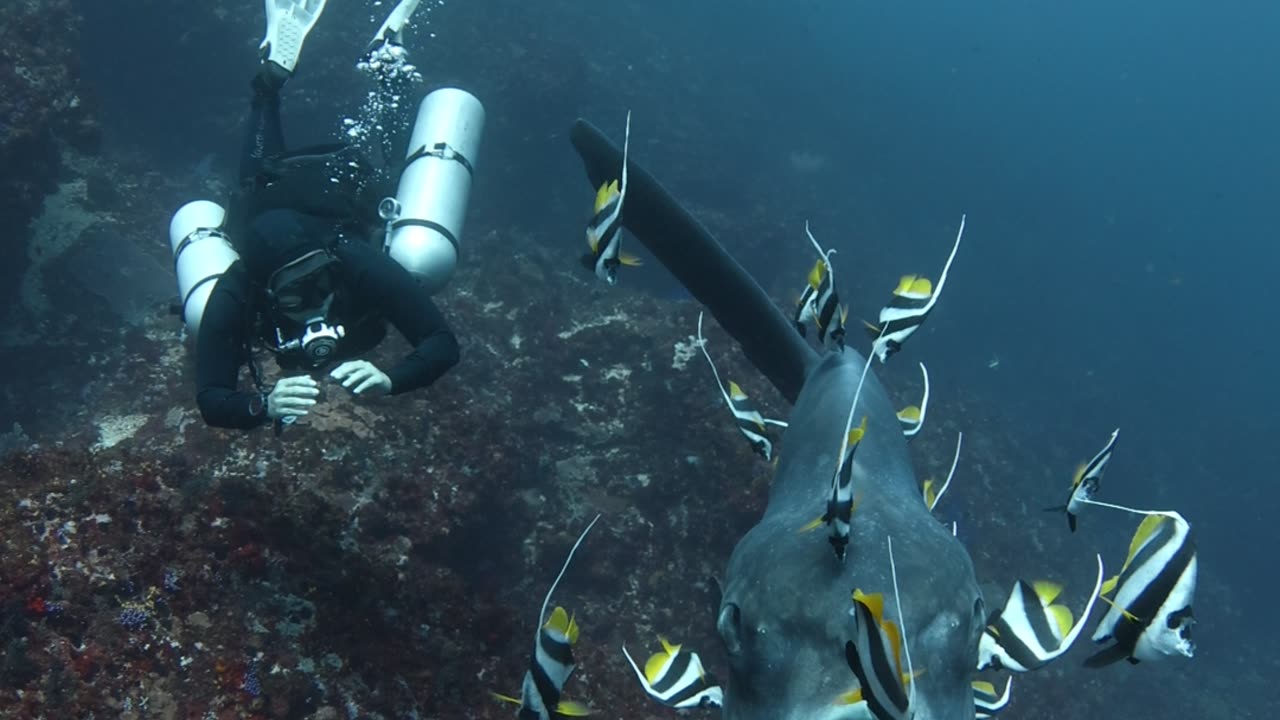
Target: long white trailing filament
[[626, 144], [924, 404], [1084, 617], [824, 254], [954, 461], [702, 345], [1166, 513], [937, 291], [848, 423], [902, 623], [542, 614]]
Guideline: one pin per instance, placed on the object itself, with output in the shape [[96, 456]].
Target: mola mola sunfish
[[784, 614]]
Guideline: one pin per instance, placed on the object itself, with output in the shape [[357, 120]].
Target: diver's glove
[[362, 375], [291, 397]]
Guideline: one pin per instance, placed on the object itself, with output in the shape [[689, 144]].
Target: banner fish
[[910, 306], [677, 679], [819, 302], [1084, 486], [1030, 630], [986, 702], [604, 230], [752, 425], [552, 660], [875, 656], [1150, 615]]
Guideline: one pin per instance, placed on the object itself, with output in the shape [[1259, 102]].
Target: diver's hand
[[291, 397], [362, 375]]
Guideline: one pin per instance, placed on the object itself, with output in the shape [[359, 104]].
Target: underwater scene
[[756, 360]]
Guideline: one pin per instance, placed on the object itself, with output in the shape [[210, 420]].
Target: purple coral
[[133, 618]]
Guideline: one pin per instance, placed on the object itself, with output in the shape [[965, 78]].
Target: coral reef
[[43, 109]]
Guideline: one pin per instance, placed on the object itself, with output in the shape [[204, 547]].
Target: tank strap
[[443, 151], [196, 235], [197, 286], [414, 222]]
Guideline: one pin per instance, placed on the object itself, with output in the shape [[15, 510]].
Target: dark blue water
[[1118, 162]]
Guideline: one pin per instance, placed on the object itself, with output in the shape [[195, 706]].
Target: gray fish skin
[[786, 651]]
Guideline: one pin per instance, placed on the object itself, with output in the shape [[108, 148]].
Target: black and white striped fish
[[752, 425], [911, 417], [875, 657], [910, 306], [807, 304], [552, 661], [1150, 615], [677, 679], [604, 230], [1084, 486], [820, 302], [839, 513], [986, 703], [1030, 630]]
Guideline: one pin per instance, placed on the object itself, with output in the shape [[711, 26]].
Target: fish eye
[[730, 626], [979, 620]]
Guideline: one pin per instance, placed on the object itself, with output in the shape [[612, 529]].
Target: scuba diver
[[299, 263]]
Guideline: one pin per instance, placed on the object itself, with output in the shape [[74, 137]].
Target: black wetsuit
[[372, 289]]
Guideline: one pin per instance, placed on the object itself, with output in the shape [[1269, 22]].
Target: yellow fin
[[983, 686], [874, 603], [922, 287], [606, 191], [561, 622], [573, 630], [654, 666], [1061, 614], [904, 284], [1079, 476], [930, 494], [855, 435], [812, 524], [853, 697], [629, 260], [818, 272], [505, 698], [1109, 585], [735, 391], [1047, 591], [890, 630], [910, 413], [1145, 531], [667, 646], [1123, 612], [569, 708]]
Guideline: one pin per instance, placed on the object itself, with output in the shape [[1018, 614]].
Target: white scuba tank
[[424, 219], [201, 254]]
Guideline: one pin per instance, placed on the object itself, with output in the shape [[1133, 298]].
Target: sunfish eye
[[730, 626], [979, 620]]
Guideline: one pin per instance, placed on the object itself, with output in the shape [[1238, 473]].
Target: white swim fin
[[393, 27], [288, 22]]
